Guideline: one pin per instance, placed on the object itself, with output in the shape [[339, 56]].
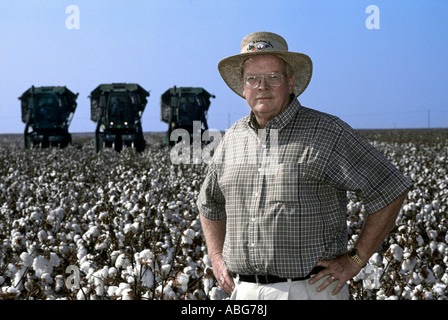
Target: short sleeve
[[355, 165], [211, 201]]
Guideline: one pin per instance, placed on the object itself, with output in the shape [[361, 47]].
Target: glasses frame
[[265, 78]]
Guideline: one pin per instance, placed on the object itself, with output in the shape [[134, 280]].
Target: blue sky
[[391, 77]]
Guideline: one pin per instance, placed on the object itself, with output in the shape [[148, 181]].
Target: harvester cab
[[47, 112], [181, 106], [117, 109]]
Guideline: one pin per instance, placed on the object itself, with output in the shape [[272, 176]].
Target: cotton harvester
[[117, 109], [47, 111], [181, 106]]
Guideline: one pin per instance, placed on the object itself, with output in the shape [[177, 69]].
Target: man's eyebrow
[[255, 74]]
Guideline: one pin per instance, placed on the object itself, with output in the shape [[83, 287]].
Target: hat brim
[[229, 68]]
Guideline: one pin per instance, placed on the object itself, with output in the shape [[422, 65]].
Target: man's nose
[[263, 84]]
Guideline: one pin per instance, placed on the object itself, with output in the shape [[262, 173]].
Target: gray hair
[[288, 69]]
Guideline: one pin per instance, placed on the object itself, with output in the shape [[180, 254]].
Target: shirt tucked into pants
[[290, 290]]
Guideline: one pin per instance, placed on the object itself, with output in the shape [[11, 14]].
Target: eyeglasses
[[272, 79]]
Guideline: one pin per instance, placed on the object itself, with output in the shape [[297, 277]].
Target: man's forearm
[[376, 228], [214, 232]]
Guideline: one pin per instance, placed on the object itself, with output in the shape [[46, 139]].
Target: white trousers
[[294, 290]]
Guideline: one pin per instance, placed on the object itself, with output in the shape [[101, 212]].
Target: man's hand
[[225, 280], [214, 232], [341, 269], [376, 227]]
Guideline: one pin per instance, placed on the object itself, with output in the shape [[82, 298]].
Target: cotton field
[[77, 224]]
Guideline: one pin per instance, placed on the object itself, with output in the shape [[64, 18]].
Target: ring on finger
[[332, 277]]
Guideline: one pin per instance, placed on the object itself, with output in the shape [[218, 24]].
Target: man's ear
[[291, 84]]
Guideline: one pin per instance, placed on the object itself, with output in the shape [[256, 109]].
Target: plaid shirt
[[283, 190]]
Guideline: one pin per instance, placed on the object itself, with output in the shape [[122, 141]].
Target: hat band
[[263, 45]]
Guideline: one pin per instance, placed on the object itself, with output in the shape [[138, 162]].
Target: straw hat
[[265, 43]]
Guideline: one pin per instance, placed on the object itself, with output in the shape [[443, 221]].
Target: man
[[274, 202]]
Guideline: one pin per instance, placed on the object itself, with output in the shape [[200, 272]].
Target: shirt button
[[259, 169], [253, 219], [256, 194]]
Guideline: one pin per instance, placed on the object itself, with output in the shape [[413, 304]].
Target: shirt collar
[[281, 120]]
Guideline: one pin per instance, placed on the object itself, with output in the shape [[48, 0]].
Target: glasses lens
[[273, 80]]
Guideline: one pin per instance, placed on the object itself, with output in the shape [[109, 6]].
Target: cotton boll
[[100, 246], [165, 269], [432, 234], [208, 280], [122, 261], [104, 272], [85, 266], [433, 246], [196, 225], [376, 259], [114, 255], [91, 234], [182, 280], [429, 276], [218, 294], [397, 252], [18, 278], [415, 279], [440, 289], [59, 283], [207, 261], [147, 277], [442, 248], [27, 259], [168, 292], [111, 291], [41, 266], [42, 235], [81, 294], [172, 205], [54, 259], [11, 290], [36, 216], [188, 236], [146, 255], [112, 272], [47, 278], [122, 287], [420, 240], [130, 228], [98, 282], [127, 294]]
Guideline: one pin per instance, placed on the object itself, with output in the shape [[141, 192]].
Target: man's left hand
[[341, 269]]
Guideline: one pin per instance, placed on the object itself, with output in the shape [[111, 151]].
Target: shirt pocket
[[285, 185]]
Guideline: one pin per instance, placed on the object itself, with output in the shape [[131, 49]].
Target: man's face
[[267, 101]]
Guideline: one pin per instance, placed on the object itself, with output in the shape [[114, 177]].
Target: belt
[[267, 279]]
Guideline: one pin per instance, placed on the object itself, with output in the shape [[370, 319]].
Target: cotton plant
[[129, 225]]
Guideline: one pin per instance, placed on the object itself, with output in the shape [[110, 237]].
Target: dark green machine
[[181, 106], [117, 109], [48, 112]]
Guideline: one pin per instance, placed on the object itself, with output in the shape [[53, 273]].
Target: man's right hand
[[223, 277]]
